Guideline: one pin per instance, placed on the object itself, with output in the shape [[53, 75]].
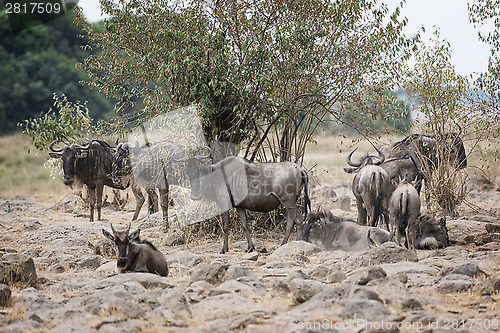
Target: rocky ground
[[70, 285]]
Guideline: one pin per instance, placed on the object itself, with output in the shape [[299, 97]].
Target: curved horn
[[175, 153], [56, 150], [112, 229], [128, 145], [75, 146], [202, 157], [382, 156], [317, 210], [349, 159], [116, 142], [128, 228]]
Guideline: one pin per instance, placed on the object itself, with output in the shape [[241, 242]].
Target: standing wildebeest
[[418, 154], [332, 233], [92, 165], [261, 187], [371, 187], [136, 255], [404, 207], [151, 167]]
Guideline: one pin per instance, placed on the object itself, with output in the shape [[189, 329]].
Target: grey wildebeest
[[92, 165], [371, 187], [418, 154], [431, 234], [235, 182], [404, 208], [136, 255], [151, 166], [330, 232]]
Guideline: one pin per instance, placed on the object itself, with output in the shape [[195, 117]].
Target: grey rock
[[213, 273], [384, 254], [5, 295], [471, 270], [15, 268], [198, 290], [185, 258], [105, 248], [293, 250], [454, 283], [235, 271], [302, 290], [489, 286], [328, 274], [225, 306], [365, 275]]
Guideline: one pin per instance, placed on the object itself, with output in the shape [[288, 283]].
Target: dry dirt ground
[[297, 287]]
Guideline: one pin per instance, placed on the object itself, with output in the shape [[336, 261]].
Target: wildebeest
[[92, 165], [371, 187], [151, 166], [429, 233], [418, 154], [404, 207], [333, 233], [136, 255], [261, 187]]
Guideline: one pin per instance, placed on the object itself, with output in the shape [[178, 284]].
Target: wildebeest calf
[[136, 255], [332, 233], [404, 207]]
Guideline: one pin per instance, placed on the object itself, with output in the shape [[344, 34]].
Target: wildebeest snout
[[68, 180]]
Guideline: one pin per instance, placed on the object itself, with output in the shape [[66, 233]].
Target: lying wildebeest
[[151, 166], [136, 255], [371, 187], [330, 232], [404, 207], [92, 165], [418, 154], [261, 187], [431, 234]]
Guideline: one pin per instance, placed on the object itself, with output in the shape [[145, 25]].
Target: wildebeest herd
[[386, 187]]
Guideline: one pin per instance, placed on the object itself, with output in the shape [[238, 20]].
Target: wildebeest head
[[69, 156], [314, 224], [121, 162], [192, 168], [365, 160], [121, 239]]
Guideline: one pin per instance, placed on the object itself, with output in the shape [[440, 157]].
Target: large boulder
[[384, 254], [16, 268]]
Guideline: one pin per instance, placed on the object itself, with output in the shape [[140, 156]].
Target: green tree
[[486, 16], [263, 73], [38, 62]]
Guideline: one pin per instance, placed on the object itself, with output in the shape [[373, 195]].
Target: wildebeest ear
[[135, 235], [55, 155], [108, 235]]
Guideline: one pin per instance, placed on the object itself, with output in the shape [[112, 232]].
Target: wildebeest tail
[[377, 209], [403, 212], [307, 201]]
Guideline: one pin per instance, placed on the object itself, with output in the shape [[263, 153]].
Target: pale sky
[[451, 16]]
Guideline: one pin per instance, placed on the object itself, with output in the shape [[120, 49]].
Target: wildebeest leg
[[164, 206], [92, 203], [153, 197], [244, 223], [99, 190], [139, 200], [225, 229], [410, 234], [361, 212], [291, 215], [393, 227]]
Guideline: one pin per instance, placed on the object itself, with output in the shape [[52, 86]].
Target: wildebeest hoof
[[251, 249]]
